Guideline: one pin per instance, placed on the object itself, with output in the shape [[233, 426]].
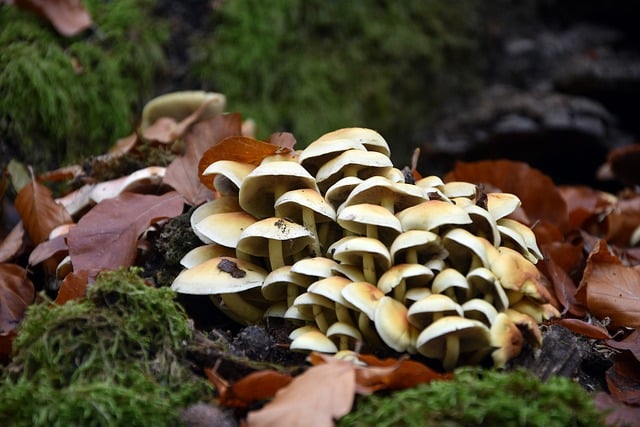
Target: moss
[[114, 358], [478, 397], [311, 66], [64, 98]]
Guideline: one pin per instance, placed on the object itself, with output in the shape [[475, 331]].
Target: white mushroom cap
[[417, 247], [522, 237], [312, 340], [392, 196], [370, 220], [369, 253], [517, 274], [427, 310], [506, 339], [316, 307], [224, 228], [179, 105], [338, 192], [321, 151], [371, 139], [483, 225], [466, 250], [331, 288], [219, 205], [459, 189], [204, 253], [450, 336], [345, 335], [229, 175], [402, 277], [484, 284], [451, 283], [266, 183], [391, 323], [315, 267], [431, 215], [429, 182], [362, 164], [500, 205], [282, 284], [481, 310]]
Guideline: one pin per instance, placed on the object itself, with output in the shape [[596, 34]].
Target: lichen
[[114, 358], [478, 397]]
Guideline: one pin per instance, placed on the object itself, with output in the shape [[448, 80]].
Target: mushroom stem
[[276, 258], [372, 231], [400, 290], [240, 307], [292, 293], [452, 351], [369, 268], [342, 314], [320, 318], [412, 256], [387, 203], [309, 222]]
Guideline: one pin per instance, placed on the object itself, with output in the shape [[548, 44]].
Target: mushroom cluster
[[333, 239]]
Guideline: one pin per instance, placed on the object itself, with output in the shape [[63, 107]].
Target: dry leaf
[[590, 330], [609, 289], [106, 237], [623, 379], [16, 294], [74, 286], [631, 343], [254, 387], [39, 212], [69, 17], [315, 398], [13, 243], [564, 289], [48, 249]]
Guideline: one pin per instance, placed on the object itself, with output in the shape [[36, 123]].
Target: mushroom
[[431, 215], [459, 189], [506, 339], [204, 253], [522, 237], [417, 247], [227, 281], [483, 224], [427, 310], [500, 205], [364, 297], [484, 284], [362, 164], [391, 323], [392, 196], [402, 277], [481, 310], [369, 138], [371, 254], [219, 205], [309, 208], [338, 192], [370, 220], [224, 228], [179, 105], [313, 306], [311, 339], [282, 284], [274, 238], [451, 283], [346, 335], [450, 336], [321, 151], [266, 183], [466, 251], [518, 276], [331, 288], [229, 175]]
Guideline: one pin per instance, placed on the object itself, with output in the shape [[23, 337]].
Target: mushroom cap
[[343, 329], [459, 189], [315, 267], [363, 296], [429, 182], [254, 240], [414, 276], [274, 286], [204, 253], [432, 214], [351, 272], [357, 218], [500, 205], [380, 190], [371, 139], [423, 312], [416, 294], [516, 273], [351, 249], [338, 192], [466, 250], [452, 279], [219, 205], [362, 164], [229, 175], [219, 275], [481, 310], [331, 288], [257, 194], [506, 338], [321, 151], [483, 225], [391, 323], [313, 340], [484, 284], [472, 335], [427, 245], [521, 236], [292, 203], [181, 104], [224, 228]]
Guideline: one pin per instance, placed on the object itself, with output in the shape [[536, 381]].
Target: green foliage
[[311, 66], [477, 397], [63, 98], [112, 359]]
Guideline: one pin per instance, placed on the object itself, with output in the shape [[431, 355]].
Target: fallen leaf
[[609, 289], [618, 414], [315, 398], [630, 343], [590, 330], [406, 373], [6, 347], [68, 17], [106, 237], [254, 387], [39, 212], [12, 244], [48, 249], [623, 379], [564, 288], [283, 139], [16, 294], [74, 286]]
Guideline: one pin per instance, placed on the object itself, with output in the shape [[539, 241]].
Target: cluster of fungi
[[335, 239]]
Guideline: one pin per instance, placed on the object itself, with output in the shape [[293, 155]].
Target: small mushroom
[[500, 205], [417, 247], [229, 175], [481, 310], [466, 251], [338, 192], [523, 238], [282, 284], [391, 323], [427, 310], [392, 196], [484, 284], [459, 189], [402, 277], [331, 288], [483, 224], [518, 276], [364, 297], [362, 164], [276, 239], [369, 138], [431, 215], [224, 228], [227, 281], [452, 283], [204, 253], [449, 337], [506, 339], [345, 335], [370, 221], [311, 339], [321, 151], [219, 205], [181, 104], [370, 254], [313, 306]]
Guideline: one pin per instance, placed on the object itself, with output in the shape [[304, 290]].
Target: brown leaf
[[39, 212], [13, 244], [6, 347], [240, 149], [74, 286], [406, 373], [610, 289], [590, 330], [618, 414], [283, 140], [16, 294], [540, 198], [623, 379], [254, 387], [48, 249], [182, 174], [69, 17], [631, 343], [564, 288], [106, 237], [315, 398]]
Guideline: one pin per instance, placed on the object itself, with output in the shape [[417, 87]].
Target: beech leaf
[[69, 17], [256, 386], [74, 286], [106, 237], [16, 294], [314, 398], [13, 243], [39, 212]]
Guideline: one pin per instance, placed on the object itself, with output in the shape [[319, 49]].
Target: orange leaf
[[74, 286], [313, 399], [610, 289], [106, 237], [16, 294], [39, 212], [590, 330], [69, 17], [256, 386], [406, 373], [240, 149]]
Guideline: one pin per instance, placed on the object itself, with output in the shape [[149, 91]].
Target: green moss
[[64, 98], [478, 397], [311, 66], [112, 359]]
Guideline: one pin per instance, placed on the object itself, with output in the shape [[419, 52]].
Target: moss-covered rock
[[310, 66], [477, 397], [112, 359], [65, 98]]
